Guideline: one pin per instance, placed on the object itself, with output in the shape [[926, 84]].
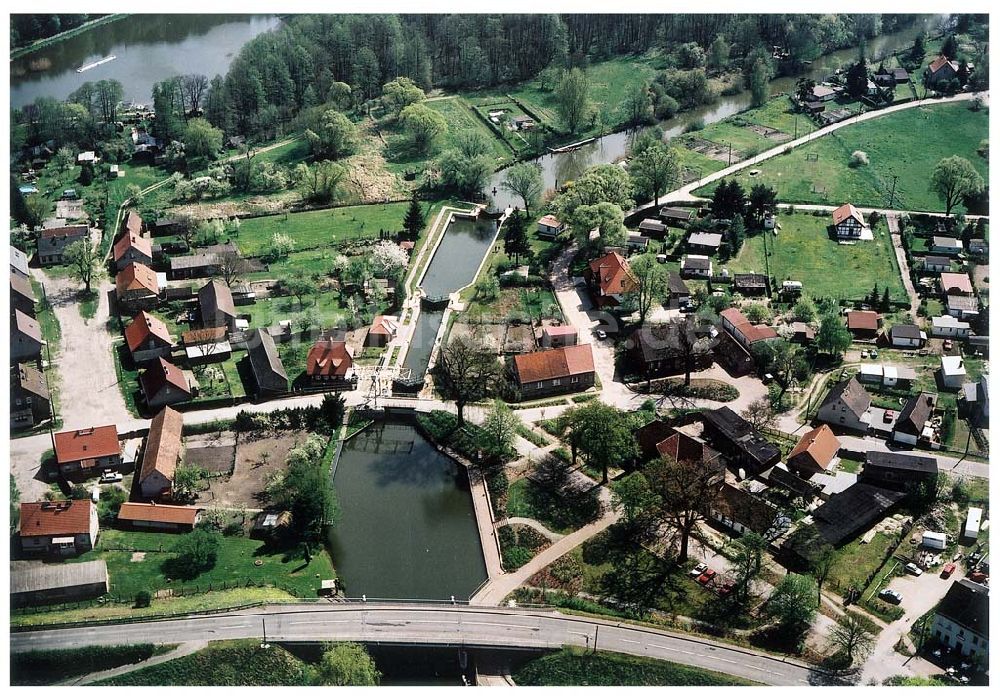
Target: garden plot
[[712, 150], [216, 454], [491, 336], [769, 133], [255, 462]]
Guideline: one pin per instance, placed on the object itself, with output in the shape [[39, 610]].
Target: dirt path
[[185, 649]]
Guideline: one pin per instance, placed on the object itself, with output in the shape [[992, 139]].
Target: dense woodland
[[27, 28]]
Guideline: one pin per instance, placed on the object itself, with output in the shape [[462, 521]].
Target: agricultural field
[[803, 251], [897, 145]]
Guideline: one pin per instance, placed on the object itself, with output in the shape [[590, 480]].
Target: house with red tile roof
[[132, 247], [609, 279], [53, 241], [956, 284], [22, 295], [557, 336], [848, 222], [63, 528], [164, 383], [132, 224], [941, 71], [382, 331], [814, 452], [329, 361], [554, 371], [158, 516], [137, 287], [161, 455], [863, 324], [88, 450], [549, 227], [745, 333], [148, 338]]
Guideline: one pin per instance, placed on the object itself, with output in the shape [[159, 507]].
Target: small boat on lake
[[83, 68]]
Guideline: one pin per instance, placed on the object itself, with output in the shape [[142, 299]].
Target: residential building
[[823, 93], [158, 516], [751, 284], [610, 278], [962, 620], [940, 72], [132, 225], [554, 371], [161, 455], [898, 471], [945, 245], [936, 264], [743, 331], [907, 336], [742, 512], [952, 371], [329, 361], [888, 375], [680, 447], [847, 405], [265, 364], [950, 327], [651, 227], [88, 450], [163, 383], [802, 333], [550, 227], [914, 422], [137, 287], [559, 336], [704, 243], [636, 243], [974, 401], [29, 396], [676, 216], [863, 324], [18, 262], [852, 511], [217, 307], [132, 247], [744, 447], [815, 451], [25, 338], [679, 293], [696, 266], [53, 241], [657, 349], [32, 583], [22, 295], [207, 262], [962, 306], [956, 284], [382, 331], [848, 222], [62, 528], [148, 338]]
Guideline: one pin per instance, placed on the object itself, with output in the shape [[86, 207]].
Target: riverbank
[[68, 34]]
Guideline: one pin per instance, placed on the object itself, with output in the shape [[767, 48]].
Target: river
[[558, 168], [147, 49]]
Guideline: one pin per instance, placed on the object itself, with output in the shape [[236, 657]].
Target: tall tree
[[84, 261], [515, 237], [334, 137], [399, 94], [821, 564], [346, 664], [466, 372], [793, 603], [728, 200], [413, 223], [833, 337], [305, 491], [423, 125], [854, 634], [689, 343], [499, 428], [194, 86], [637, 106], [747, 555], [685, 494], [718, 53], [760, 78], [202, 140], [603, 435], [762, 200], [651, 284], [524, 180], [655, 170], [573, 99], [953, 179]]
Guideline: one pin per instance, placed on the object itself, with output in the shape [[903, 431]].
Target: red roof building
[[742, 330], [382, 331], [566, 369], [329, 360], [164, 383], [148, 337], [131, 247], [814, 451], [88, 449], [863, 324], [610, 277], [137, 286], [58, 527], [159, 516]]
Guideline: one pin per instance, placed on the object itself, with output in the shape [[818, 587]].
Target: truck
[[934, 540]]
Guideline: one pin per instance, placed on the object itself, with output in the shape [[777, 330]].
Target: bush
[[143, 599], [858, 158], [696, 125]]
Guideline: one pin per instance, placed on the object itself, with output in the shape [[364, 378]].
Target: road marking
[[233, 626], [670, 648], [508, 626], [319, 622], [629, 641]]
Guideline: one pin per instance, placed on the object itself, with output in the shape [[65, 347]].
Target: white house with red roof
[[849, 224]]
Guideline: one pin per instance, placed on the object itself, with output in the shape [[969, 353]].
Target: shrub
[[858, 158], [143, 599], [696, 125]]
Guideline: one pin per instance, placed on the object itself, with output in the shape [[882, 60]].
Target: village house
[[208, 262], [22, 296], [52, 242], [636, 243], [656, 350], [680, 447], [132, 225], [751, 284], [679, 295], [956, 284], [952, 371], [898, 471], [696, 266], [651, 227], [18, 262], [848, 223], [161, 455], [137, 288], [888, 375], [744, 447], [816, 451], [936, 264], [609, 279], [676, 216], [25, 338], [34, 584], [131, 247], [962, 620], [163, 383], [940, 72], [558, 336], [554, 371], [704, 243], [851, 511], [847, 405], [741, 512], [863, 324], [329, 361], [974, 401], [62, 528], [550, 227], [907, 336], [962, 306], [823, 93], [945, 245], [950, 327], [802, 333], [159, 517], [148, 338], [29, 396], [269, 374], [88, 450], [383, 330], [914, 422], [217, 307], [743, 331]]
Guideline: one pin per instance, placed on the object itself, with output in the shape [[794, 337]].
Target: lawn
[[236, 563], [855, 561], [897, 145], [576, 668], [56, 665], [529, 500], [457, 112], [803, 251], [288, 154]]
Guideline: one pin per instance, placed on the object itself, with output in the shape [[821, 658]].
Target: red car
[[947, 570], [726, 588], [706, 577]]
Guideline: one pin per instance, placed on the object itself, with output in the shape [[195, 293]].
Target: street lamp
[[263, 625]]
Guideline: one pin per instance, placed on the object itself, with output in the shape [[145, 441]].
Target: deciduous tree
[[603, 435], [466, 372], [573, 99], [685, 492], [793, 603], [346, 664], [854, 635], [655, 170], [651, 284], [423, 125], [334, 137], [84, 261], [524, 180], [953, 179], [399, 94]]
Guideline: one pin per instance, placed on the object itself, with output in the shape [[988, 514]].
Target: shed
[[40, 584], [973, 520]]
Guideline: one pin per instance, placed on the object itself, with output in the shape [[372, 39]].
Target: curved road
[[442, 625]]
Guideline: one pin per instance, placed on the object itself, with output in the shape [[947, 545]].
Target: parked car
[[707, 576], [948, 570], [890, 596], [699, 569], [864, 353], [873, 354], [601, 334], [913, 569], [110, 477], [947, 344], [726, 588]]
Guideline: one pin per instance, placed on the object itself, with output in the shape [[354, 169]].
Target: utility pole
[[730, 152], [263, 625], [892, 195]]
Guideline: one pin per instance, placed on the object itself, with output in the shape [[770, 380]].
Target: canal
[[407, 526], [148, 48]]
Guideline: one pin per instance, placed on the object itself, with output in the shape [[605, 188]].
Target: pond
[[407, 526]]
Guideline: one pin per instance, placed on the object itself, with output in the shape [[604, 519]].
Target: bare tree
[[231, 266], [688, 344], [853, 634], [466, 372], [686, 491], [760, 414], [194, 87]]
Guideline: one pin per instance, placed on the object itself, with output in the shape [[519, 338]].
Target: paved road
[[947, 463], [401, 624]]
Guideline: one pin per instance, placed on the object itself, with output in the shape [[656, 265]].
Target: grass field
[[576, 668], [55, 666], [803, 251], [906, 144], [854, 561], [288, 154], [457, 112]]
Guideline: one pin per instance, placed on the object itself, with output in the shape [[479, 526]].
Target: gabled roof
[[163, 445], [613, 274], [29, 577], [22, 286], [18, 260], [940, 62], [946, 242], [853, 395], [900, 461], [144, 326], [952, 365], [742, 435], [158, 513], [847, 211], [750, 511], [696, 261], [27, 326], [550, 221], [214, 298], [705, 239], [853, 510], [652, 224], [31, 379], [161, 374], [137, 276], [676, 213], [862, 319], [64, 231], [207, 335], [384, 325], [683, 448], [967, 604], [916, 413], [133, 223], [905, 331], [949, 321], [86, 444], [965, 303], [264, 354], [931, 260], [133, 241], [328, 358], [956, 281], [50, 518], [554, 363], [818, 446], [677, 285]]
